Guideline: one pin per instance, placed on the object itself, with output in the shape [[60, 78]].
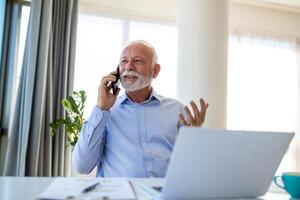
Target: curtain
[[46, 77], [263, 86]]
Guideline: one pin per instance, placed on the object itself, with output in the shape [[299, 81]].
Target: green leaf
[[74, 106], [73, 121], [66, 104]]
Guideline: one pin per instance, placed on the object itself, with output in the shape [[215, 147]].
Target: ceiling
[[286, 5], [292, 3]]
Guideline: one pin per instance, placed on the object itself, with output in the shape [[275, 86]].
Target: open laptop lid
[[216, 163]]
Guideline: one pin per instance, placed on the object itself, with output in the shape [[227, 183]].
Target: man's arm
[[89, 147], [91, 142]]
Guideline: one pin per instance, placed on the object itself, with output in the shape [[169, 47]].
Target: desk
[[28, 188]]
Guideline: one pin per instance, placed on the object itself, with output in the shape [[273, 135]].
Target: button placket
[[144, 142]]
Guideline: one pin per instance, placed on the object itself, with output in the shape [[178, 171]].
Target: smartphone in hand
[[115, 84]]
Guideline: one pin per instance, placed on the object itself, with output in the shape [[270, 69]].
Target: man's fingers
[[189, 116], [196, 111], [204, 107], [113, 73], [118, 91], [198, 116], [109, 85], [106, 80], [182, 120]]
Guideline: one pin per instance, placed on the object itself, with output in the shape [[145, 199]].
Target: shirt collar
[[153, 97]]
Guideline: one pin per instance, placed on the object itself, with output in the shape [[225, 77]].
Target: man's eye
[[139, 61], [123, 61]]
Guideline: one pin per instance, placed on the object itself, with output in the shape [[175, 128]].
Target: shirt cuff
[[95, 125]]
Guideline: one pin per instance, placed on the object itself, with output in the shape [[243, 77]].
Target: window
[[25, 12], [2, 24], [262, 86], [99, 45], [17, 17], [19, 52]]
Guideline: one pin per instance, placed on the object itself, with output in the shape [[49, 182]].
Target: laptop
[[217, 163]]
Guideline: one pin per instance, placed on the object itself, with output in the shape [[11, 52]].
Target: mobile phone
[[115, 84]]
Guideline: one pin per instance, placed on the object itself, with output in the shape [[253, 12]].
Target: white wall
[[161, 10], [265, 19]]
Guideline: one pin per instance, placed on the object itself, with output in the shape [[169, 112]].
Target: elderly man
[[133, 135]]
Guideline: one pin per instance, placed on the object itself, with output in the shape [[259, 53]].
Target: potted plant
[[73, 121]]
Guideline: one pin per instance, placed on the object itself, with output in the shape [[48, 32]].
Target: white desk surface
[[28, 188]]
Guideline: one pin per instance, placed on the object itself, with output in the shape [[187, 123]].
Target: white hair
[[154, 54]]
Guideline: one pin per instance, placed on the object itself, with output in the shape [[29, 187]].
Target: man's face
[[136, 67]]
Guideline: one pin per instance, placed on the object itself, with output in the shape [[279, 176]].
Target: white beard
[[140, 83]]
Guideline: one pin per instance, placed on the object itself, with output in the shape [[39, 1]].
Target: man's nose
[[129, 65]]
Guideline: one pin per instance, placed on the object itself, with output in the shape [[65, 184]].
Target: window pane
[[262, 89], [164, 40], [22, 40], [2, 22], [99, 43], [25, 14]]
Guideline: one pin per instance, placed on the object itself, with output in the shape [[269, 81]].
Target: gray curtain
[[46, 77]]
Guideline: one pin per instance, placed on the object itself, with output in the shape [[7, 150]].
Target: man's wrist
[[102, 107]]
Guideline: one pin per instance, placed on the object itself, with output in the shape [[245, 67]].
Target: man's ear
[[156, 70]]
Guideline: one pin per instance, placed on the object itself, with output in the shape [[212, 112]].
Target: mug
[[291, 183]]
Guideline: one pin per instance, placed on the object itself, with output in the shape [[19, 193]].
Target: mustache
[[130, 73]]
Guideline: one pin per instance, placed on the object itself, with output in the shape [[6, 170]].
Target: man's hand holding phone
[[106, 98]]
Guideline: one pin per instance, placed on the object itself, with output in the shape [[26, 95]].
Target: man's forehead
[[137, 49]]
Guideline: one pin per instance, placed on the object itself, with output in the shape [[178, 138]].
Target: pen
[[90, 188], [133, 189]]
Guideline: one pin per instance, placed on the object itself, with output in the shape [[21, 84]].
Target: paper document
[[146, 192], [113, 188], [63, 188], [87, 188]]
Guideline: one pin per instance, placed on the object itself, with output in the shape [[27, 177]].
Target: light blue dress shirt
[[130, 140]]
